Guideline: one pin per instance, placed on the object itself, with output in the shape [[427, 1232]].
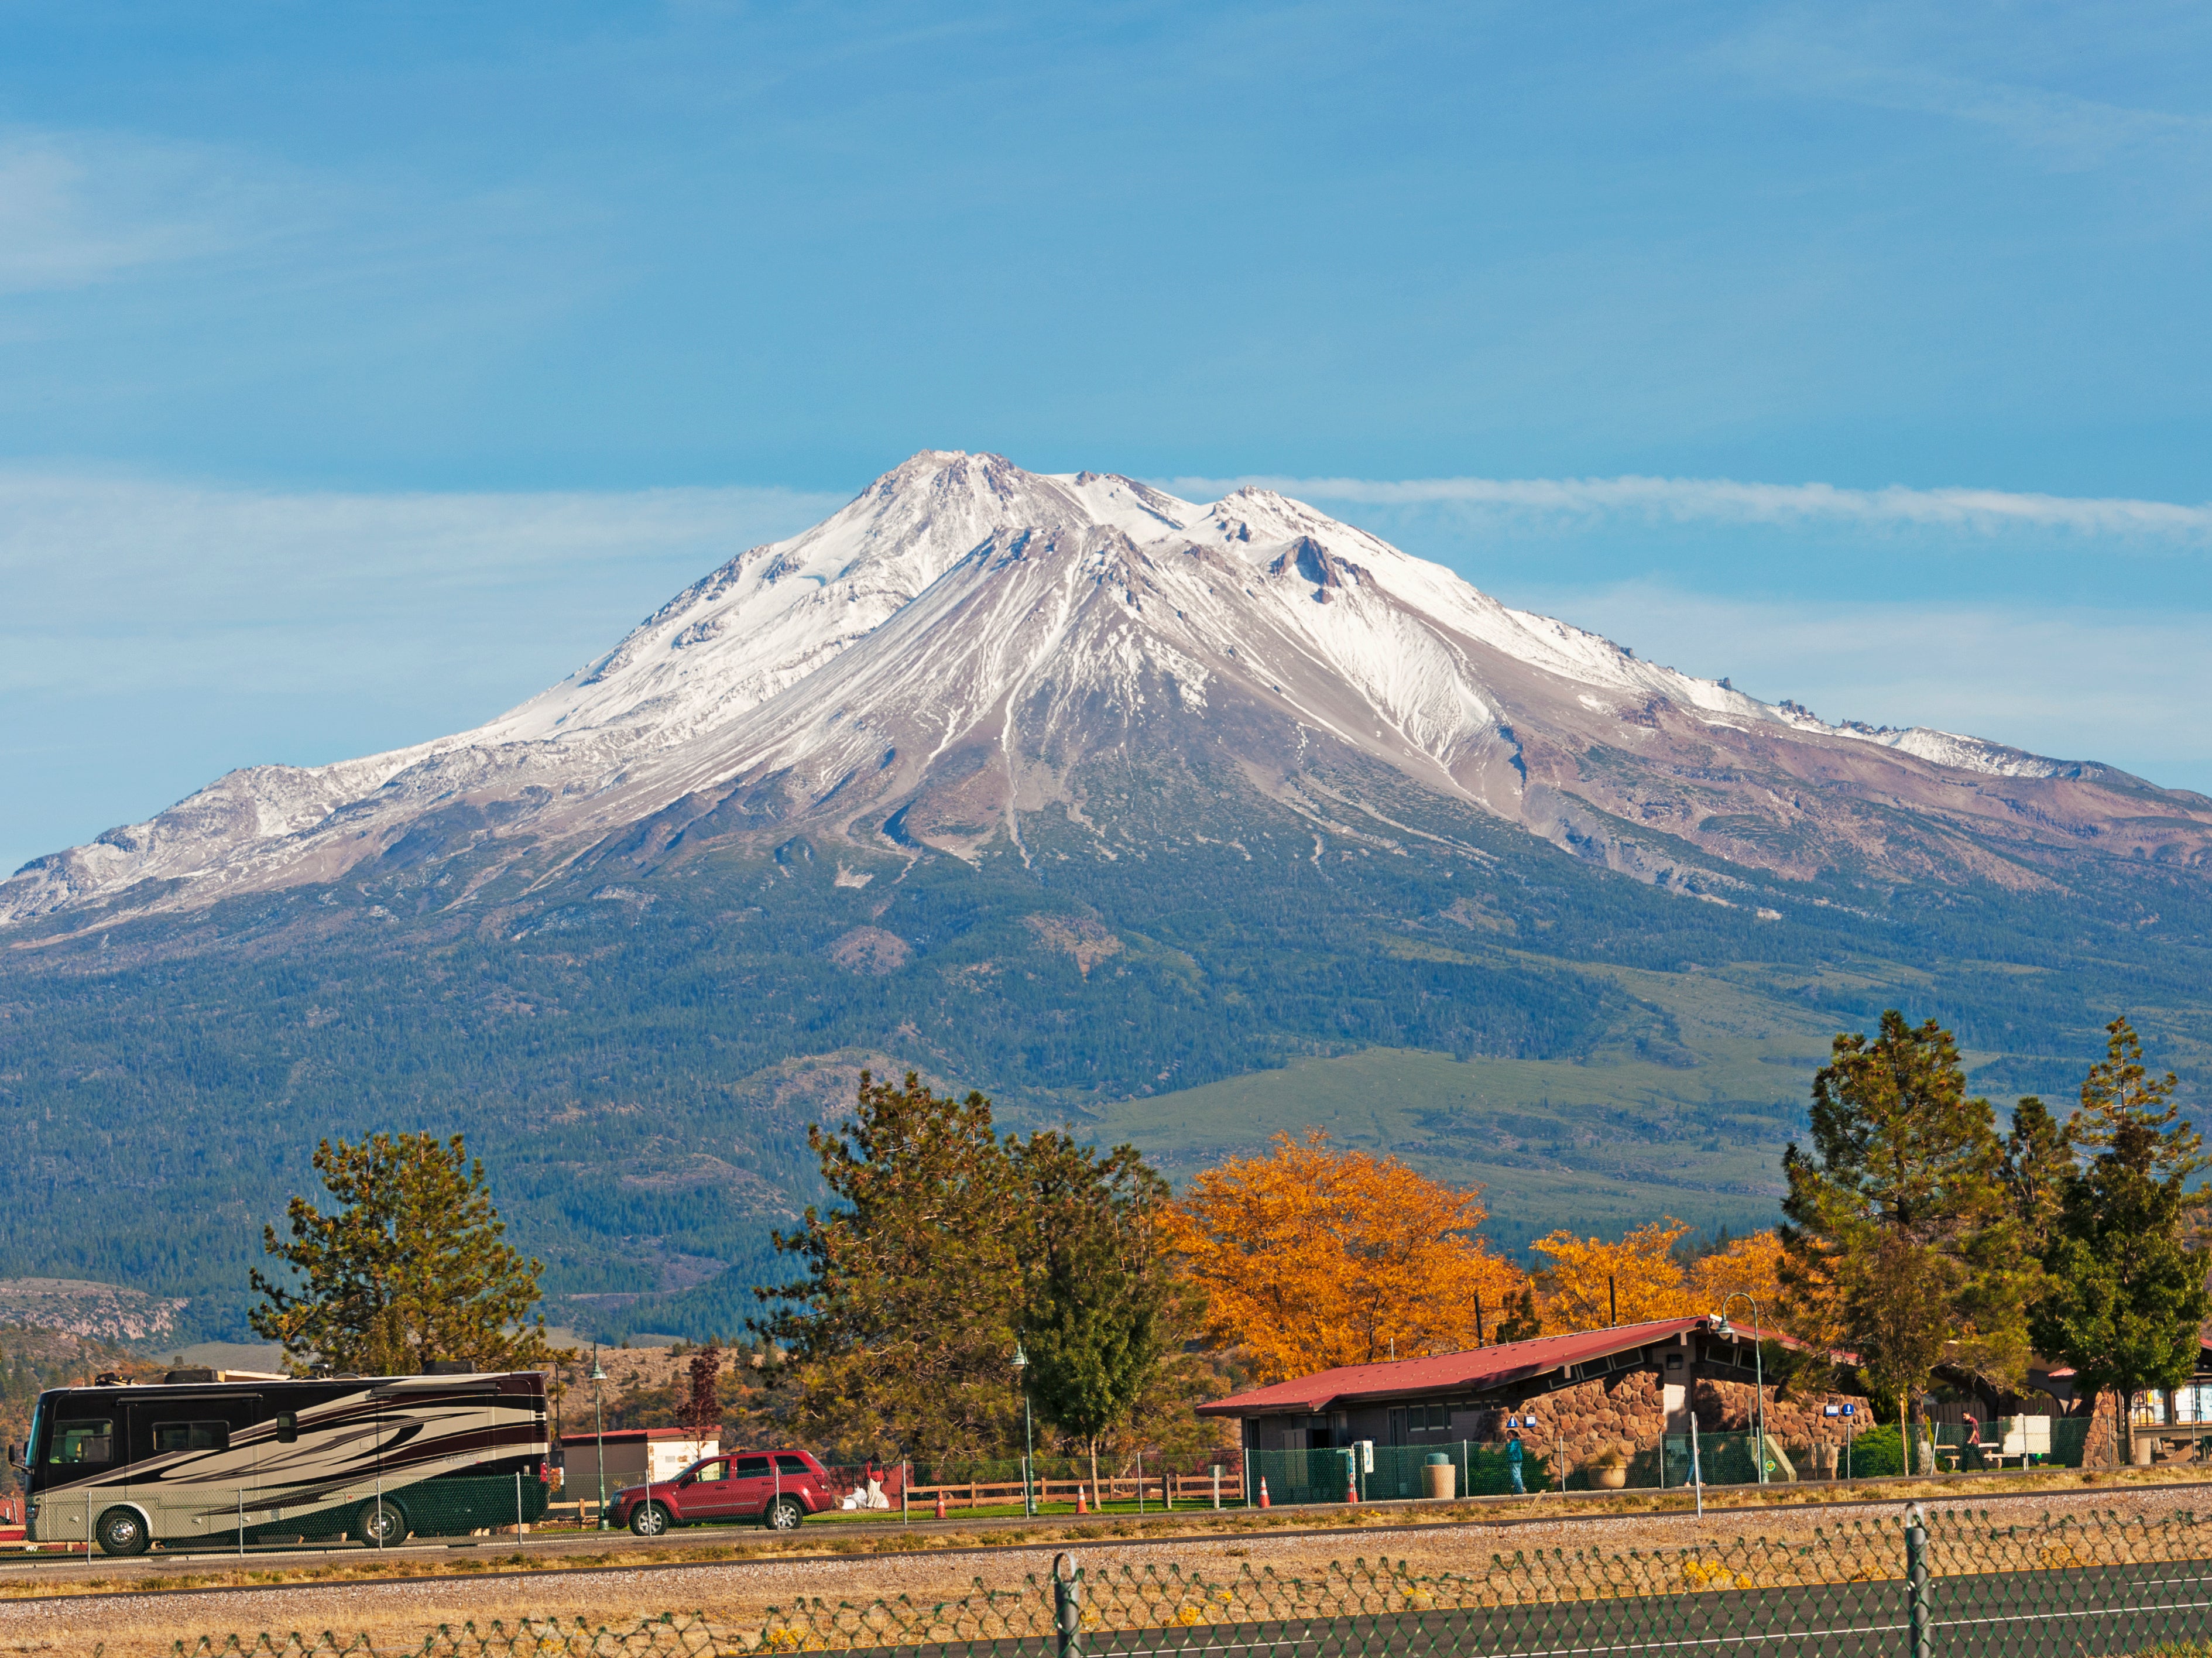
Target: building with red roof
[[1570, 1394]]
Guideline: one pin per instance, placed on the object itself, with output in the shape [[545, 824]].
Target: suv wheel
[[649, 1520], [785, 1514]]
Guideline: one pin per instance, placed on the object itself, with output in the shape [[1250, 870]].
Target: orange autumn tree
[[1752, 1264], [1312, 1258], [1588, 1277]]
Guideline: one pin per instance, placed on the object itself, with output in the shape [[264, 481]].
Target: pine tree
[[1104, 1305], [2127, 1297], [1902, 1242], [2039, 1163], [1522, 1323], [900, 1336], [412, 1267]]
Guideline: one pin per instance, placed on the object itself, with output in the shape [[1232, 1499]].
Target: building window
[[1428, 1418]]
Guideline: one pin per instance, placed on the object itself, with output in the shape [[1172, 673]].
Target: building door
[[1674, 1392]]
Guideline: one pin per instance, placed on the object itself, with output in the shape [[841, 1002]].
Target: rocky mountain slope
[[938, 663]]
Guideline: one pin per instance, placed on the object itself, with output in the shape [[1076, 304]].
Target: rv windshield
[[31, 1458]]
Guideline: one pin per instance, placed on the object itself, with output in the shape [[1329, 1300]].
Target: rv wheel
[[122, 1531], [379, 1524]]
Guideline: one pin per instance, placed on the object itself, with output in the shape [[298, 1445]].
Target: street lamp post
[[1758, 1368], [600, 1433], [1029, 1433]]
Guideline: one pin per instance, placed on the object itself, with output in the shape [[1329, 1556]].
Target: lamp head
[[1723, 1327], [1021, 1359]]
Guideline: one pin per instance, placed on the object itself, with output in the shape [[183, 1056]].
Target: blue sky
[[362, 369]]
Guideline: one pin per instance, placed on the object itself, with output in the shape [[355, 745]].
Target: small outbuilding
[[634, 1456]]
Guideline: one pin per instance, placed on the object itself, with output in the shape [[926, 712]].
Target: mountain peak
[[964, 640]]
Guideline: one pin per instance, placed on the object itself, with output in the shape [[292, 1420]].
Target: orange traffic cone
[[1263, 1492], [1081, 1506], [940, 1505]]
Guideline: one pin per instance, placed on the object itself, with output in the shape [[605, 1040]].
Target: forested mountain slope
[[1093, 799]]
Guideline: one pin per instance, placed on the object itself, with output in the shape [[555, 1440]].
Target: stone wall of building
[[1727, 1407], [1628, 1408]]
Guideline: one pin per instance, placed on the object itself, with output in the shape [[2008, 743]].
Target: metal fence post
[[1697, 1465], [1915, 1583], [1067, 1604]]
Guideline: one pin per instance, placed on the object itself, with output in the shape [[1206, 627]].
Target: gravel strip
[[404, 1613]]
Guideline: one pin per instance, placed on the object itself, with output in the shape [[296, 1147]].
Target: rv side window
[[287, 1428], [83, 1444], [190, 1437]]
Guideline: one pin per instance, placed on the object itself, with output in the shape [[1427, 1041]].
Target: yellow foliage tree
[[1752, 1264], [1589, 1279], [1312, 1258]]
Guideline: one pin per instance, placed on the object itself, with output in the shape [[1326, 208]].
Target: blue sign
[[1839, 1410]]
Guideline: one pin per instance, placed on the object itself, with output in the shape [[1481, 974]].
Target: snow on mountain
[[948, 651]]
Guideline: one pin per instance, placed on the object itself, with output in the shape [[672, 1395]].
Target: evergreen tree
[[900, 1336], [412, 1267], [1901, 1240], [1522, 1323], [1103, 1303], [2127, 1299], [2039, 1163]]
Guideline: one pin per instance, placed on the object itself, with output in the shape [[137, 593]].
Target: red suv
[[779, 1488]]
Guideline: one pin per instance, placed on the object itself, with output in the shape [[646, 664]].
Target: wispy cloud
[[1726, 499], [1927, 63], [114, 582], [77, 208], [154, 634], [2118, 686]]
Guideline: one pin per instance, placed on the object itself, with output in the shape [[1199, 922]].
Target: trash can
[[1438, 1476]]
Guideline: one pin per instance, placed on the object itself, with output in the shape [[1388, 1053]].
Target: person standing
[[1513, 1461]]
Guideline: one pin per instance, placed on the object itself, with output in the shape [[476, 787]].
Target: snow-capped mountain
[[965, 644]]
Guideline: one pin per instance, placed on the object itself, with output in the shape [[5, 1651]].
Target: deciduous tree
[[1750, 1265], [1312, 1258], [1590, 1283], [702, 1407], [413, 1266]]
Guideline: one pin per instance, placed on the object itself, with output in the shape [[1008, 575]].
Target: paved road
[[2098, 1610]]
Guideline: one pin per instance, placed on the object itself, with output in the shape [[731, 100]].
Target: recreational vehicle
[[213, 1458]]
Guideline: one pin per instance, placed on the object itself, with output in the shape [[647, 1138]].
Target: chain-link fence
[[1955, 1586], [1477, 1468]]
